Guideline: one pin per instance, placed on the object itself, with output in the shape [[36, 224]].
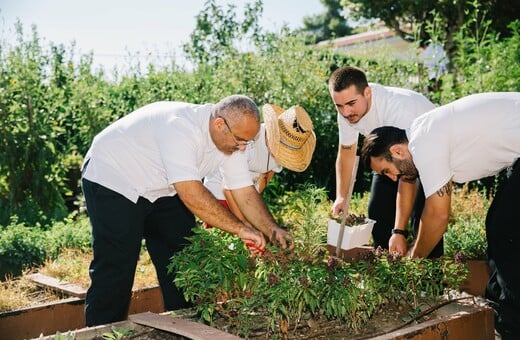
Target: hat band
[[289, 145]]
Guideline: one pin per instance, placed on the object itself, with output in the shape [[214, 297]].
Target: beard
[[407, 170]]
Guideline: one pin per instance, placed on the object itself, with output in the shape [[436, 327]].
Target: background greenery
[[53, 101]]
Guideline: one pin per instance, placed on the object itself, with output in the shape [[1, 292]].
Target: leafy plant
[[466, 232], [282, 288], [21, 247], [118, 334]]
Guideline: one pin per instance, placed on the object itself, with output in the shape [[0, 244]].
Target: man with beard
[[471, 138], [362, 107]]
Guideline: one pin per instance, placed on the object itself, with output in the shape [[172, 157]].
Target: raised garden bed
[[65, 314], [452, 321]]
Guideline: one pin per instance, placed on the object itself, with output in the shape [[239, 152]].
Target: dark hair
[[379, 141], [345, 77]]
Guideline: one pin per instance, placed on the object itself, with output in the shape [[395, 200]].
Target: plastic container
[[354, 236]]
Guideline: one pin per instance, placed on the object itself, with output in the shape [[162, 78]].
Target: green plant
[[21, 247], [118, 334], [281, 288], [468, 237], [466, 232]]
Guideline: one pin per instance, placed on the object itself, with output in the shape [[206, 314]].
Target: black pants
[[503, 236], [381, 208], [118, 227]]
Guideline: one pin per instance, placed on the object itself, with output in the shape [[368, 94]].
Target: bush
[[21, 247]]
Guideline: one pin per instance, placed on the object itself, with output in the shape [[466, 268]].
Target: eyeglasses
[[238, 143]]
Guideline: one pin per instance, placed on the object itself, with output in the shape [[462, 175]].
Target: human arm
[[255, 211], [434, 221], [404, 204], [344, 165], [262, 183], [204, 205]]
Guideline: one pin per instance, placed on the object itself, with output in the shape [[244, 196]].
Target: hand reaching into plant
[[282, 237], [253, 239], [398, 244]]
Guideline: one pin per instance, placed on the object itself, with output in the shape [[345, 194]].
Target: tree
[[328, 25], [404, 14], [218, 33]]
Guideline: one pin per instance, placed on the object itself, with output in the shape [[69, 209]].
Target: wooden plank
[[475, 323], [189, 329], [57, 285]]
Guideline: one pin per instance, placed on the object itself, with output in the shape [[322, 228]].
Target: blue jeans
[[118, 227]]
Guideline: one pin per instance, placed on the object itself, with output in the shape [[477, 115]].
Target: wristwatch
[[400, 232]]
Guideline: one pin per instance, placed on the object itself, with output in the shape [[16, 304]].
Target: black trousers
[[118, 227], [503, 237], [381, 208]]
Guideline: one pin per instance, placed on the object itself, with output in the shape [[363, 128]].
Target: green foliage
[[467, 236], [52, 103], [328, 25], [21, 247], [222, 259], [71, 233], [398, 15], [118, 333], [218, 32], [282, 288]]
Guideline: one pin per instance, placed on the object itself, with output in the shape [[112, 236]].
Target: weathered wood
[[57, 285], [189, 329]]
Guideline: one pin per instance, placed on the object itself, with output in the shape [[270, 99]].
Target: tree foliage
[[404, 14], [328, 25], [52, 103]]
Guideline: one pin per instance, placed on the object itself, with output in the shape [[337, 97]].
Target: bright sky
[[114, 28]]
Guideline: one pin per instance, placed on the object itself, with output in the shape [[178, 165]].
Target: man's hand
[[250, 235], [338, 206], [397, 243], [282, 237]]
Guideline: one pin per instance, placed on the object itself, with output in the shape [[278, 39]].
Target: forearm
[[344, 165], [404, 203], [254, 209], [205, 206], [234, 207], [434, 221], [429, 235]]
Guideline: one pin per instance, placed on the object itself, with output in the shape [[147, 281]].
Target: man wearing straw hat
[[142, 178], [285, 140], [362, 107]]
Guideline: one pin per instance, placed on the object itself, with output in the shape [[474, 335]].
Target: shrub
[[21, 247]]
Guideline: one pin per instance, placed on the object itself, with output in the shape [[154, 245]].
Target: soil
[[390, 318]]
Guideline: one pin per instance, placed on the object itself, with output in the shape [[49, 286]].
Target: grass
[[70, 267]]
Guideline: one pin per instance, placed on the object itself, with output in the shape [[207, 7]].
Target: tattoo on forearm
[[347, 147], [445, 190]]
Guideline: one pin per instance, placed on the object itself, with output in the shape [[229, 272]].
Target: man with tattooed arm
[[362, 107], [471, 138]]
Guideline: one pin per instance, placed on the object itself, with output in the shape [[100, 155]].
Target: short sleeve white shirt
[[391, 106], [259, 161], [146, 151], [468, 139]]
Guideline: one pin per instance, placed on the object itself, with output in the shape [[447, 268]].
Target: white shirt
[[391, 106], [258, 164], [146, 151], [468, 139]]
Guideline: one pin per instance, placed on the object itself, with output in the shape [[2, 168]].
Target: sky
[[112, 29]]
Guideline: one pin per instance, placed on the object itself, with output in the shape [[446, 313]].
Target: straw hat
[[290, 136]]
